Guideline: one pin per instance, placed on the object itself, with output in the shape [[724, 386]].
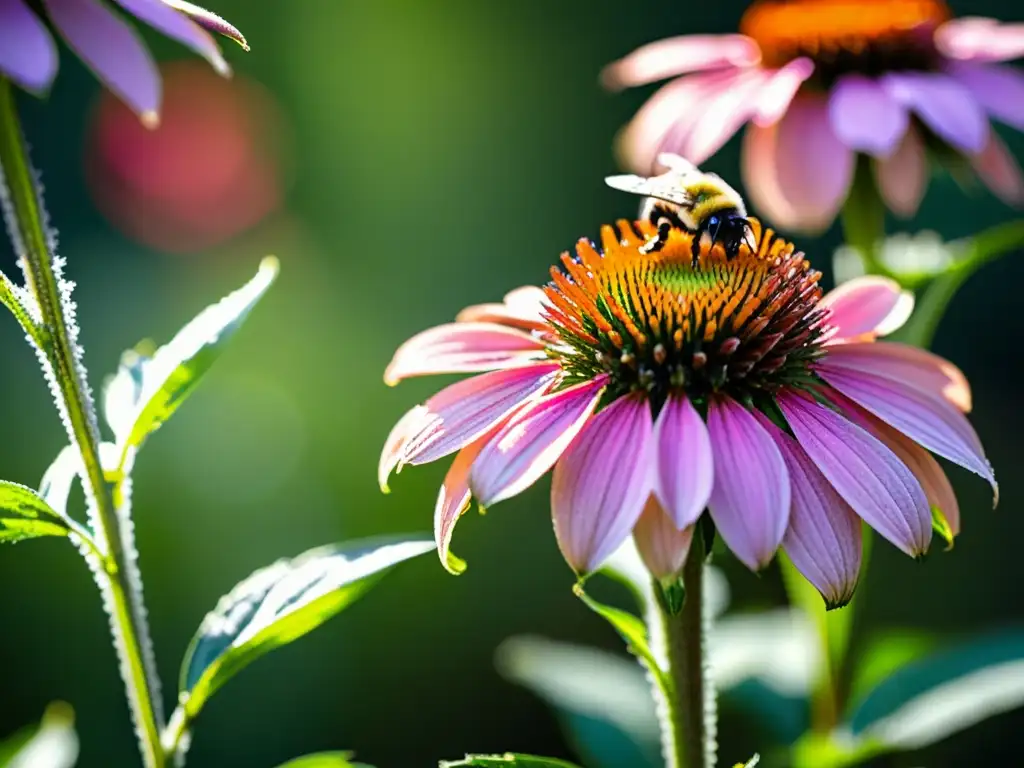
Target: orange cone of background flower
[[822, 80], [657, 389]]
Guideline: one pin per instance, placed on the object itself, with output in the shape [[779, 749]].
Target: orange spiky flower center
[[866, 36], [658, 321]]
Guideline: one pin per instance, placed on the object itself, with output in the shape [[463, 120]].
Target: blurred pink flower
[[822, 80], [657, 390], [108, 45]]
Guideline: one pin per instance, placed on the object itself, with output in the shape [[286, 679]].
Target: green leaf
[[53, 744], [884, 654], [324, 760], [147, 390], [281, 603], [24, 514], [929, 700], [602, 700], [507, 760]]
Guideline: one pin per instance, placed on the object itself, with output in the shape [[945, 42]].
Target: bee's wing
[[660, 187]]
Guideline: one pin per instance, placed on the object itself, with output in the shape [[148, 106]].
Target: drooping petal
[[178, 27], [662, 547], [209, 20], [873, 481], [823, 539], [751, 496], [685, 467], [453, 501], [722, 115], [463, 348], [760, 176], [903, 177], [27, 53], [678, 55], [602, 481], [999, 171], [531, 441], [867, 307], [865, 117], [999, 89], [924, 416], [408, 426], [112, 50], [814, 165], [465, 410], [980, 39], [914, 366], [522, 308], [776, 95], [946, 107], [936, 486]]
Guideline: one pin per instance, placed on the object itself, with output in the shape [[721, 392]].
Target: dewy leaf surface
[[24, 514], [281, 603]]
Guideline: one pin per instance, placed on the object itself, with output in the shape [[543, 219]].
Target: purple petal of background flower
[[946, 107], [602, 482], [872, 480], [27, 53], [112, 49], [751, 495], [865, 117], [998, 89]]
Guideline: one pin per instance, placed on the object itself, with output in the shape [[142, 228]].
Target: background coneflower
[[820, 81]]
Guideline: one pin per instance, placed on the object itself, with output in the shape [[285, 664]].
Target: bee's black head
[[727, 227]]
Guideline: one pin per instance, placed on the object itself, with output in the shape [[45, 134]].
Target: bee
[[687, 198]]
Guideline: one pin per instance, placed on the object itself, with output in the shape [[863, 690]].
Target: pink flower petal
[[873, 481], [867, 307], [602, 481], [453, 501], [209, 20], [677, 55], [936, 486], [823, 539], [408, 426], [462, 412], [463, 348], [522, 308], [112, 50], [722, 115], [662, 547], [776, 95], [946, 107], [999, 89], [999, 171], [760, 177], [751, 496], [685, 469], [913, 366], [924, 416], [865, 117], [813, 164], [980, 39], [27, 53], [903, 177], [531, 441], [178, 27]]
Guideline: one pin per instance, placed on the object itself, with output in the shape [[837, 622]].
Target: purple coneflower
[[822, 80], [657, 389], [106, 43]]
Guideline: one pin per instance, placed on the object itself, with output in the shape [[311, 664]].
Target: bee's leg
[[657, 242], [695, 248]]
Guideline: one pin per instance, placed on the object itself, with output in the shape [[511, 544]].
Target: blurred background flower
[[820, 81], [108, 45], [212, 171]]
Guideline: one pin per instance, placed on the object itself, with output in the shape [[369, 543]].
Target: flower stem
[[863, 218], [690, 709], [61, 359]]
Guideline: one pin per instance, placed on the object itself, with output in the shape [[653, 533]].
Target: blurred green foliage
[[440, 154]]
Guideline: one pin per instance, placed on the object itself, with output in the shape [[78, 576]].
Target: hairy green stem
[[27, 228], [689, 711]]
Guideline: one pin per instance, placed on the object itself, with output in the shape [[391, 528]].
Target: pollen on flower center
[[657, 321], [866, 36]]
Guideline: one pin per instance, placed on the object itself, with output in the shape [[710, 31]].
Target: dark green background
[[442, 153]]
